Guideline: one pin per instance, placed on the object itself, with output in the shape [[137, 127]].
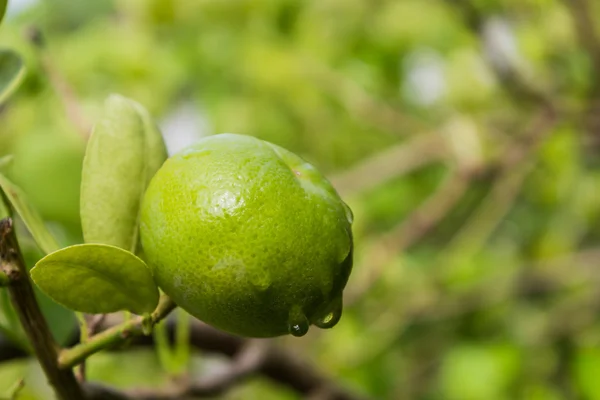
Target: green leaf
[[156, 151], [12, 72], [3, 208], [32, 219], [124, 151], [97, 279], [2, 8]]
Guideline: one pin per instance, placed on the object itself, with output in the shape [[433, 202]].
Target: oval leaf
[[156, 150], [12, 72], [97, 279], [32, 219], [113, 176]]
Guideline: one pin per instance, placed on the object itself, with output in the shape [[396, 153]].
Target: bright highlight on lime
[[248, 237]]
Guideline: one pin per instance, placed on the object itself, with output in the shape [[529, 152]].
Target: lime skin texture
[[248, 237]]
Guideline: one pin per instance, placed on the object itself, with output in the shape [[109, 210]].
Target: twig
[[509, 75], [68, 358], [246, 362], [34, 324], [416, 152], [416, 225], [279, 365], [514, 168], [60, 85], [588, 36], [90, 324], [357, 101]]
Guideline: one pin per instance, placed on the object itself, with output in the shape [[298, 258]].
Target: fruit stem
[[116, 335]]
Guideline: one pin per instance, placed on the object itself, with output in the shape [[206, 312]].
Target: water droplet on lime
[[297, 323], [332, 317]]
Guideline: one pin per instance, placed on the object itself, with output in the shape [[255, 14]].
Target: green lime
[[248, 237]]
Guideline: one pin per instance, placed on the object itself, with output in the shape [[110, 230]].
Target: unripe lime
[[248, 237]]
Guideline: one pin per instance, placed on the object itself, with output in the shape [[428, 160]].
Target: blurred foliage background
[[465, 135]]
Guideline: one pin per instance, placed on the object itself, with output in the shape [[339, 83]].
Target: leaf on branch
[[32, 219], [155, 148], [124, 151], [12, 72], [97, 279]]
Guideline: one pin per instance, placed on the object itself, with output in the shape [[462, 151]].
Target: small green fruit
[[248, 237]]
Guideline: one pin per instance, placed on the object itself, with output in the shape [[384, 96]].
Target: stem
[[83, 337], [182, 340], [24, 302], [163, 348], [68, 358]]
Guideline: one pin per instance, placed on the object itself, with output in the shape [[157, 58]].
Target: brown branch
[[357, 101], [403, 158], [413, 228], [510, 77], [514, 167], [34, 324], [246, 362], [273, 362], [587, 34], [62, 88]]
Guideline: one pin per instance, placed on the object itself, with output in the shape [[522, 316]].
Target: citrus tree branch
[[248, 357], [59, 84], [416, 152], [34, 324], [116, 335], [585, 27], [247, 362], [510, 77]]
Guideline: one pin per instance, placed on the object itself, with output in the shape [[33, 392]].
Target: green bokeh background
[[497, 301]]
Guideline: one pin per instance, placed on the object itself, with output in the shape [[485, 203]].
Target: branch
[[588, 36], [248, 360], [116, 335], [426, 217], [510, 77], [88, 327], [34, 324], [357, 101], [273, 362], [416, 152], [514, 168], [279, 365], [58, 82]]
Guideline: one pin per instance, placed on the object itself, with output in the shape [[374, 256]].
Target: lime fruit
[[248, 237]]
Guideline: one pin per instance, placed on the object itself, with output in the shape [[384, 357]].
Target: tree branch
[[273, 362], [34, 324], [421, 221], [509, 75], [248, 360], [405, 157], [588, 36], [514, 167], [57, 81], [116, 335]]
